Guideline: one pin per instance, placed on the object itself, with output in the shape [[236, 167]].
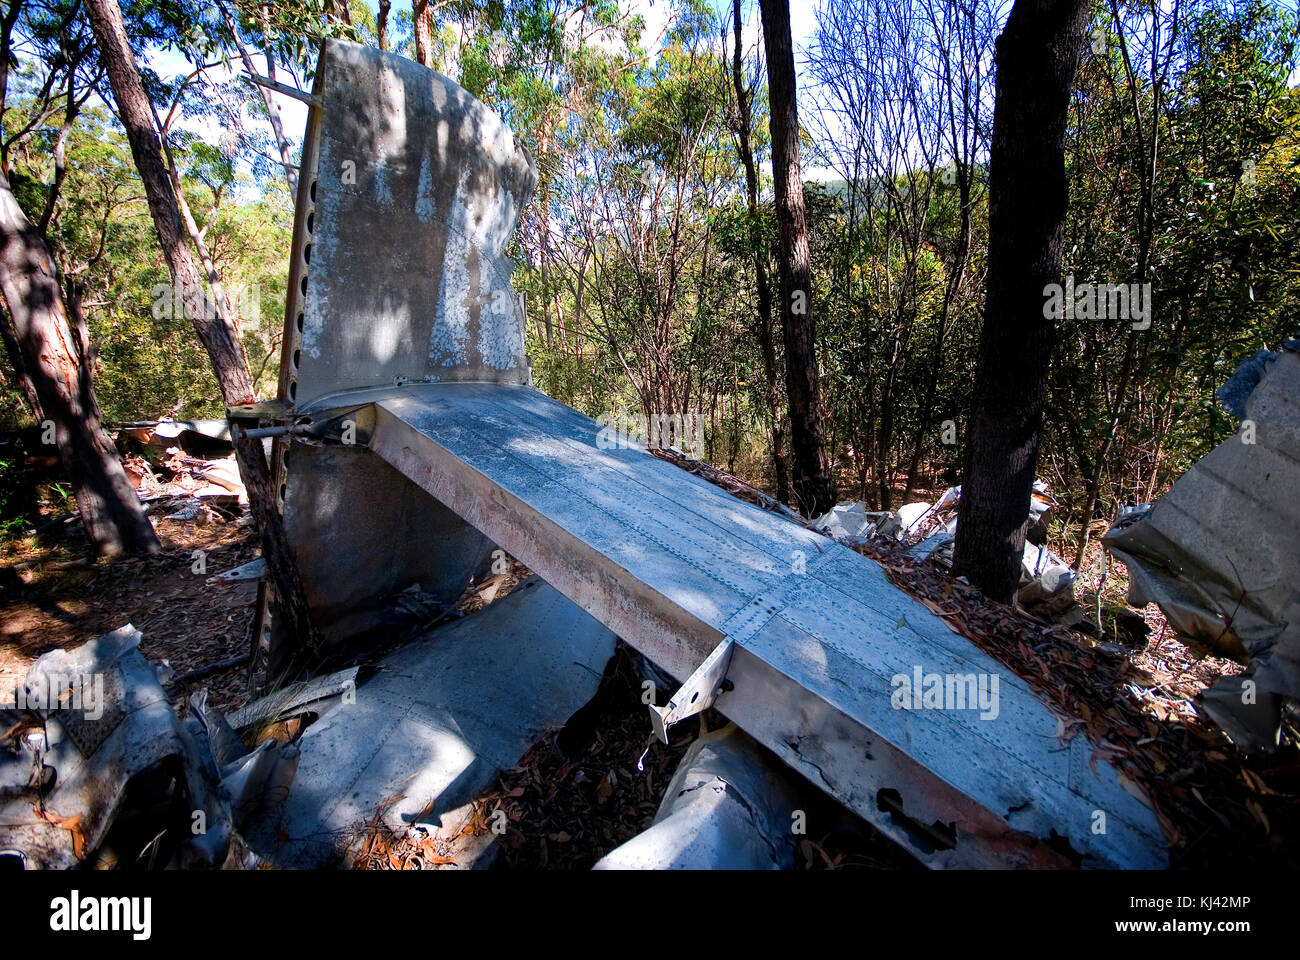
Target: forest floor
[[55, 595]]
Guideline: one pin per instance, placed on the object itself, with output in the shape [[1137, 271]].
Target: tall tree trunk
[[215, 330], [813, 490], [1036, 59], [422, 23], [885, 441], [381, 23], [338, 9], [766, 339], [44, 348]]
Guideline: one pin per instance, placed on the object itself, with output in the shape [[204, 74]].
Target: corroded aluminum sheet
[[415, 190]]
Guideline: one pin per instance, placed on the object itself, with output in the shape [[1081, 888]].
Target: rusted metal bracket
[[349, 427], [245, 419], [698, 693], [275, 410], [344, 428], [280, 430]]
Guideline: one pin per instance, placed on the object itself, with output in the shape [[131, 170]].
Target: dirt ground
[[53, 595]]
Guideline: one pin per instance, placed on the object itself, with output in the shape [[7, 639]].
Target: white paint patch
[[383, 193], [450, 334], [390, 110], [499, 331], [424, 204], [495, 219], [443, 133], [313, 325]]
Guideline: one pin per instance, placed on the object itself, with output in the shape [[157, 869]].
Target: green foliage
[[1213, 231], [150, 362], [637, 252]]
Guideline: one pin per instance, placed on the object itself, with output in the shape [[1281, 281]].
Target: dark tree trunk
[[15, 352], [1036, 59], [215, 330], [54, 360], [813, 490], [766, 338], [381, 23], [885, 443]]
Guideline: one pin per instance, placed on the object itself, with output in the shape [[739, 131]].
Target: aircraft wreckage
[[410, 445]]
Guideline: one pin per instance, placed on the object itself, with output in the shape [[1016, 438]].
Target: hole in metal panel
[[926, 839], [12, 860], [1063, 846]]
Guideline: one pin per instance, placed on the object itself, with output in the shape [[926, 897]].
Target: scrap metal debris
[[184, 460], [729, 806], [914, 522], [576, 795], [1046, 581], [196, 437], [93, 741], [97, 768], [189, 478], [429, 730], [294, 699], [1215, 805], [1217, 553]]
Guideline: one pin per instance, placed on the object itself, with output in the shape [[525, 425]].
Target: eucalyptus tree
[[50, 68], [1036, 59], [1181, 148], [903, 94], [813, 487], [745, 86]]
